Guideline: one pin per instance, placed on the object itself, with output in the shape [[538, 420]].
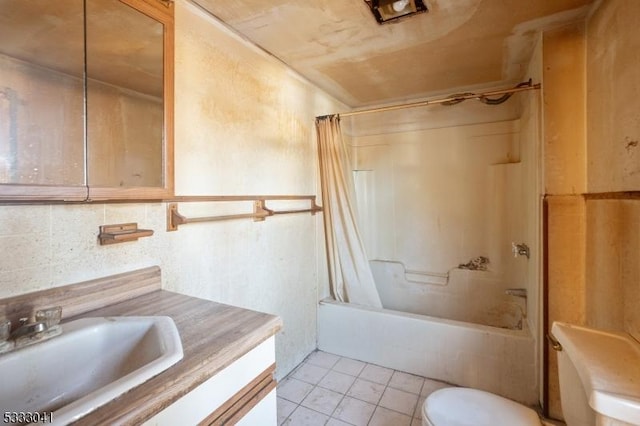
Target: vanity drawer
[[226, 397]]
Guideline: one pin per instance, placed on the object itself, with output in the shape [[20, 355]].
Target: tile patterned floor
[[326, 389]]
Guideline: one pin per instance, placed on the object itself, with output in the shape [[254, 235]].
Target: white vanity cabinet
[[242, 393]]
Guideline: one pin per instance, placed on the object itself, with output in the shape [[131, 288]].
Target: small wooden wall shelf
[[121, 233]]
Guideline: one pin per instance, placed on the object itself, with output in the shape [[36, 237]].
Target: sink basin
[[93, 361]]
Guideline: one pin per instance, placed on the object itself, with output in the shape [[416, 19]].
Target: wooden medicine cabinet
[[86, 100]]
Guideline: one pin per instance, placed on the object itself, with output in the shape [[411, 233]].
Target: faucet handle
[[5, 334], [50, 316], [514, 249], [520, 250]]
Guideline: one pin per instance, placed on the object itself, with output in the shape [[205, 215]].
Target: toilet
[[599, 384], [473, 407]]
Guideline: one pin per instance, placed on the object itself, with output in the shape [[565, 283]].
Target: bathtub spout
[[518, 292]]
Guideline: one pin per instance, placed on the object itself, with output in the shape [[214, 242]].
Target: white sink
[[93, 361]]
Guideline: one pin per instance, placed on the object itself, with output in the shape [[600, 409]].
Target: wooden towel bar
[[260, 210]]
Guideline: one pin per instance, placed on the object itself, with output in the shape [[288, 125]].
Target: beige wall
[[613, 275], [613, 97], [566, 237], [564, 105], [613, 142], [564, 182], [244, 125], [594, 254]]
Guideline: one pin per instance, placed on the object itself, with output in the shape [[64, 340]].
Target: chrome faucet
[[5, 333], [27, 328], [44, 325]]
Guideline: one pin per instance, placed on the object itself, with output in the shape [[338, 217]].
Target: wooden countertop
[[213, 335]]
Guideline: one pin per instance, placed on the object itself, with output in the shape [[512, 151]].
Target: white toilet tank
[[599, 376]]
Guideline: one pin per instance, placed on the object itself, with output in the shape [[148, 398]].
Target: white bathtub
[[497, 360]]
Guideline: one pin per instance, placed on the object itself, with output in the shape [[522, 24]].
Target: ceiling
[[458, 44]]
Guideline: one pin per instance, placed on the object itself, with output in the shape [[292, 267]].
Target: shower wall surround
[[433, 199], [432, 195], [435, 193]]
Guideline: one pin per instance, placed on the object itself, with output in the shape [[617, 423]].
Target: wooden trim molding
[[232, 411], [41, 194], [621, 195], [545, 306]]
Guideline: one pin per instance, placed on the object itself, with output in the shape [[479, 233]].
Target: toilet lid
[[473, 407]]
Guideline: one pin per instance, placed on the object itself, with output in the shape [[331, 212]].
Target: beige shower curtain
[[349, 272]]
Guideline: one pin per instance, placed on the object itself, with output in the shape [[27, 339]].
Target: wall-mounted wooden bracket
[[174, 218], [122, 232], [260, 211]]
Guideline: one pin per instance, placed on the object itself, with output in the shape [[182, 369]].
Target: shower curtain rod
[[452, 98]]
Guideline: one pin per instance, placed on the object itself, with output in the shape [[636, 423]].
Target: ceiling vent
[[392, 11]]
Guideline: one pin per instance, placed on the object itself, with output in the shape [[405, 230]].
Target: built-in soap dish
[[122, 232]]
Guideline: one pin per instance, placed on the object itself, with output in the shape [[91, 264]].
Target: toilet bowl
[[473, 407]]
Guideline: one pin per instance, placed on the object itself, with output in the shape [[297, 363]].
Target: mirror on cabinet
[[124, 96], [86, 99], [42, 97]]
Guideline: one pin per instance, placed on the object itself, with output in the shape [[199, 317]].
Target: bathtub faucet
[[520, 250]]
